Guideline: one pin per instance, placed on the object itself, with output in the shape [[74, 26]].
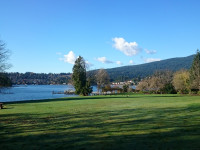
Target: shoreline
[[37, 100]]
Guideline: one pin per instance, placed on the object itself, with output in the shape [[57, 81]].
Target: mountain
[[144, 70], [124, 73]]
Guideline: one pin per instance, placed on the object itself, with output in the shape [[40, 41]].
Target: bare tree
[[4, 53], [102, 78], [156, 82], [143, 85], [160, 79]]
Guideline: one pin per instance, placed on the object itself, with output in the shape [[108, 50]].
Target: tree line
[[39, 78], [182, 81], [7, 79], [163, 81], [138, 72]]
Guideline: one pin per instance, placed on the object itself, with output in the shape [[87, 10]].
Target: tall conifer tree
[[81, 85], [195, 72]]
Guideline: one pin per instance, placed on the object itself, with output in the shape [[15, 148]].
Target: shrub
[[4, 81], [125, 88], [168, 89]]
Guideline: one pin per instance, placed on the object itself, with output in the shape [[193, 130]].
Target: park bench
[[1, 105]]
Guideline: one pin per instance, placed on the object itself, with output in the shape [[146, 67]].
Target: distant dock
[[71, 92], [68, 92]]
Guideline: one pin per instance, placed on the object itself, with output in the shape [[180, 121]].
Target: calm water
[[33, 92]]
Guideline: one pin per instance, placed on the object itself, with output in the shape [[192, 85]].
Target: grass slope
[[103, 122]]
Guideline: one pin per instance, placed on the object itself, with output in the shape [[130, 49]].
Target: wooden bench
[[1, 105]]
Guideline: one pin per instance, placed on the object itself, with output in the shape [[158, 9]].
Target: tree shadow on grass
[[71, 99], [87, 140], [164, 95], [93, 98], [120, 129]]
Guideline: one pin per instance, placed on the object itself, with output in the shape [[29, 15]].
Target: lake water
[[34, 92]]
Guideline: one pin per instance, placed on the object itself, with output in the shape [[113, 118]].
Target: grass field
[[102, 122]]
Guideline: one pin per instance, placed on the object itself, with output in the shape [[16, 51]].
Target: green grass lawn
[[103, 122]]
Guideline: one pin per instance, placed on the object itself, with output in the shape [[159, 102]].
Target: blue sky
[[48, 35]]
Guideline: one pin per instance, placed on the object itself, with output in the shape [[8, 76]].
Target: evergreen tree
[[81, 85], [87, 88], [4, 80], [125, 88], [195, 72], [168, 89]]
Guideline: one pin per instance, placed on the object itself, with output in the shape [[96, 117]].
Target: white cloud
[[148, 60], [131, 62], [150, 51], [119, 63], [128, 48], [104, 60], [70, 57]]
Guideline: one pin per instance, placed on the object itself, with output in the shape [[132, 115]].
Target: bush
[[183, 92], [194, 91], [141, 92], [106, 88], [4, 81], [179, 92], [125, 88], [168, 89]]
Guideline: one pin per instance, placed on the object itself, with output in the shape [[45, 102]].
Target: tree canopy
[[81, 85], [4, 80], [4, 53], [160, 82], [195, 72], [102, 78], [181, 81]]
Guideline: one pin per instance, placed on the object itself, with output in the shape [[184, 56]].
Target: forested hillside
[[124, 73], [39, 78], [140, 71]]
